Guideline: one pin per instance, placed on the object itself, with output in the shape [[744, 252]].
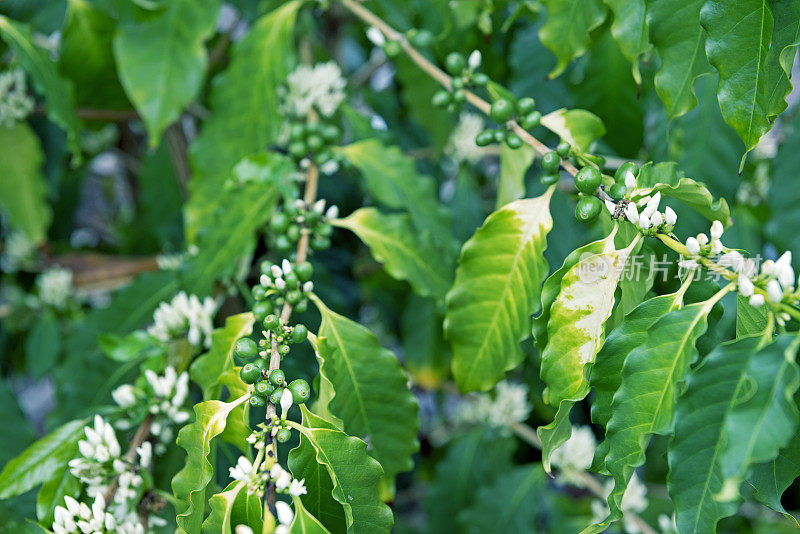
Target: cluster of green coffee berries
[[277, 285], [589, 179], [288, 223], [502, 111], [551, 162], [313, 140], [392, 49], [463, 71]]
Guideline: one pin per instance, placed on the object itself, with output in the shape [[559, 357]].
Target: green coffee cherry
[[588, 209], [588, 180], [299, 333], [294, 296], [525, 105], [282, 243], [420, 38], [315, 142], [457, 83], [250, 373], [283, 435], [392, 49], [291, 279], [298, 149], [331, 133], [259, 292], [257, 402], [245, 348], [297, 131], [513, 141], [277, 377], [261, 309], [502, 110], [499, 135], [441, 98], [480, 79], [531, 120], [264, 388], [293, 232], [455, 63], [278, 222], [459, 96], [485, 138], [619, 176], [275, 396], [283, 350], [563, 149], [301, 306], [300, 390], [271, 322], [617, 191], [304, 271], [549, 179], [551, 162]]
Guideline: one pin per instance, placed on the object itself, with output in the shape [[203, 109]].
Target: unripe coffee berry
[[275, 396], [588, 209], [283, 435], [513, 141], [617, 191], [250, 374], [502, 110], [245, 348], [588, 180], [277, 377], [563, 149], [485, 138], [525, 106], [300, 390], [299, 333], [440, 98], [257, 402], [454, 63], [551, 162], [304, 271], [264, 388], [271, 322]]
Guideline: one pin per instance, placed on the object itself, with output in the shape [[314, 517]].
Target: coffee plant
[[430, 266]]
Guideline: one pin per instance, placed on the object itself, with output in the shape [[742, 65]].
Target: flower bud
[[746, 287], [332, 213], [610, 206], [702, 239], [308, 287], [630, 180], [644, 221], [757, 301], [657, 219], [280, 283], [716, 229], [286, 266], [376, 36], [693, 246], [631, 213], [286, 402], [474, 60], [319, 206], [276, 271], [670, 217], [716, 246], [768, 267], [774, 291]]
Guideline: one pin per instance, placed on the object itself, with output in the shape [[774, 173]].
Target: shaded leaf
[[629, 29], [771, 479], [53, 492], [496, 289], [566, 29], [738, 410], [513, 166], [304, 522], [232, 507], [696, 196], [207, 369], [750, 320], [43, 344]]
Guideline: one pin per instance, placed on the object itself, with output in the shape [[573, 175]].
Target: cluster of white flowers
[[285, 518], [575, 455], [163, 397], [509, 406], [170, 262], [649, 220], [320, 87], [184, 315], [461, 145], [277, 280], [99, 463], [55, 287], [15, 103], [633, 500], [18, 252], [700, 245], [257, 475]]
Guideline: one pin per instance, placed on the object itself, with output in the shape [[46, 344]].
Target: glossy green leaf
[[677, 35], [750, 320], [629, 29], [566, 30], [645, 401], [43, 344], [371, 396], [472, 461], [244, 105], [514, 165], [189, 484], [162, 60], [405, 253], [738, 410], [23, 190], [771, 479], [355, 475], [781, 55], [138, 344], [86, 56], [232, 507], [739, 35], [505, 505], [578, 127], [57, 91], [38, 462], [606, 375], [696, 196], [497, 287], [304, 522], [391, 177]]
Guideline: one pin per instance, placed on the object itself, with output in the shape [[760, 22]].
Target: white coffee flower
[[286, 402], [657, 219], [783, 269], [376, 36], [461, 145], [610, 206], [284, 512], [716, 230], [774, 291], [630, 180], [243, 470], [332, 213], [329, 167], [19, 251], [170, 262], [631, 213], [644, 221], [702, 239], [124, 396], [716, 246], [670, 217], [757, 300], [15, 103], [652, 205], [184, 315], [474, 60], [320, 87], [692, 246], [55, 287], [746, 287], [574, 456], [297, 488]]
